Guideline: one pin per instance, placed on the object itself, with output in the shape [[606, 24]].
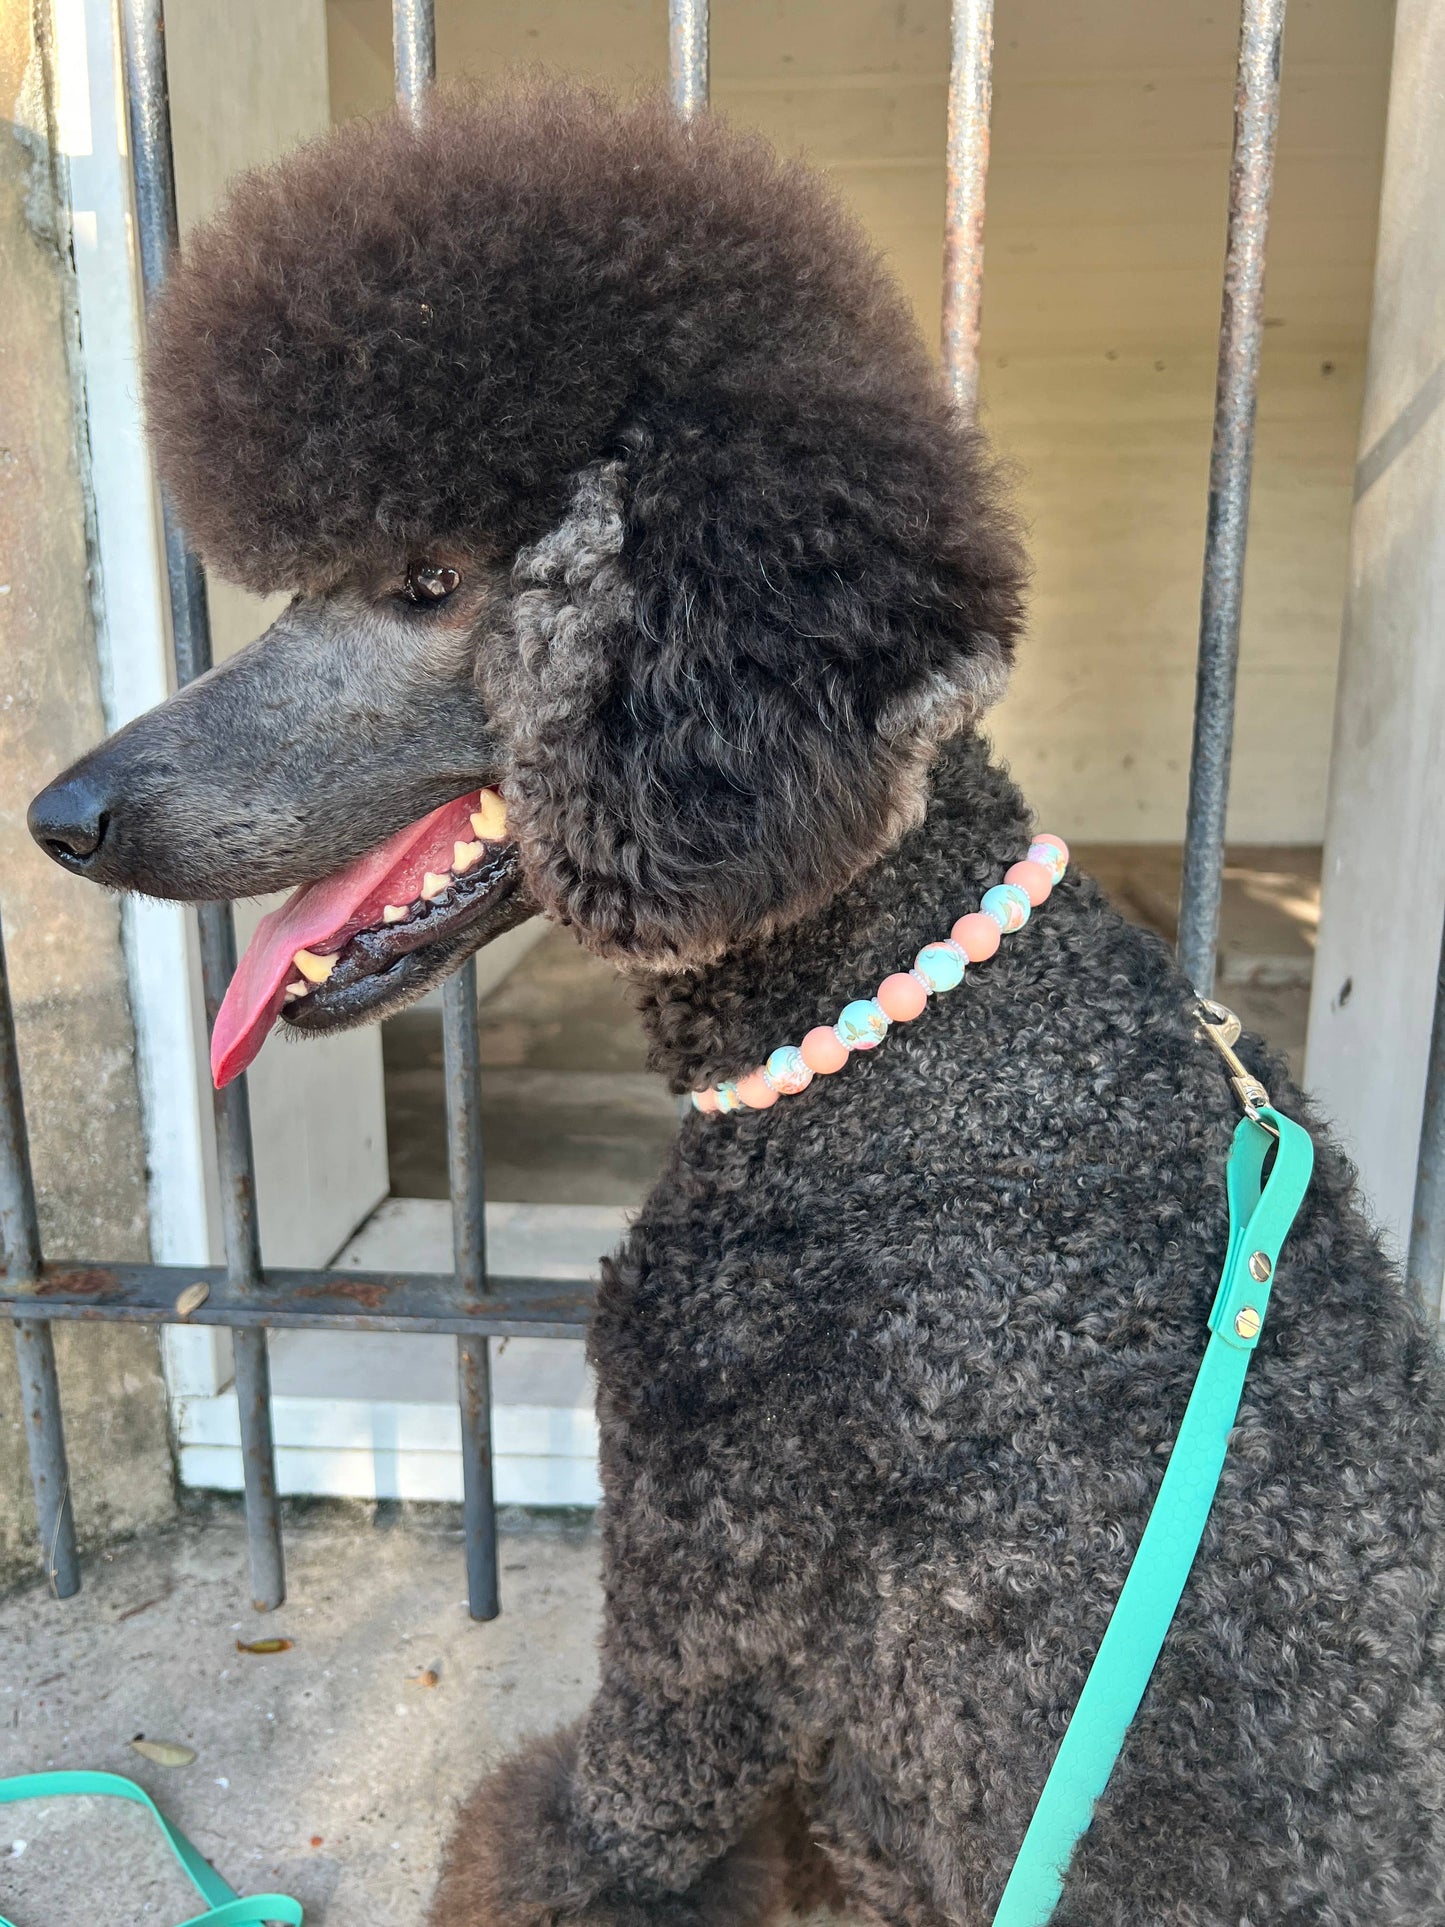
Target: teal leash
[[1261, 1212], [225, 1908]]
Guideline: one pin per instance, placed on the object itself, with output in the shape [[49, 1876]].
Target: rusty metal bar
[[1241, 331], [413, 1301], [414, 51], [970, 102], [34, 1344], [687, 55], [148, 111], [462, 1055], [1425, 1267]]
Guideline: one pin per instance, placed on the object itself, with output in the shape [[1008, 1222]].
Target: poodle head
[[605, 466]]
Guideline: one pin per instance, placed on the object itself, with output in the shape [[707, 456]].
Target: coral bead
[[977, 936], [1033, 878], [940, 965], [1008, 906], [704, 1100], [862, 1024], [756, 1092], [902, 997], [822, 1050], [1051, 851], [788, 1070]]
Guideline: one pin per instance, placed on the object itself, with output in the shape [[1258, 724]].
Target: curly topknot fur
[[657, 379], [403, 337]]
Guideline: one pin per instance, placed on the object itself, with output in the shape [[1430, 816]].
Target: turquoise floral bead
[[1008, 905], [787, 1070], [727, 1097], [1045, 850], [862, 1024], [940, 965]]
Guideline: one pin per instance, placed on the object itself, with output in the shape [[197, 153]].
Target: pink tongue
[[323, 916]]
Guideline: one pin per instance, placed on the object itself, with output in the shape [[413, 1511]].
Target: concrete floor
[[325, 1772]]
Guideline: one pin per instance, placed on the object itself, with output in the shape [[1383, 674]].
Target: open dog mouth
[[374, 934]]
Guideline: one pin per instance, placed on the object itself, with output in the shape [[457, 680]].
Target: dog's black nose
[[69, 819]]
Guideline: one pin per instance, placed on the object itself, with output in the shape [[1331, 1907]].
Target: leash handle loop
[[1261, 1212], [225, 1908]]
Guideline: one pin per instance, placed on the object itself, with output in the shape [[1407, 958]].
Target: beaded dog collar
[[900, 998]]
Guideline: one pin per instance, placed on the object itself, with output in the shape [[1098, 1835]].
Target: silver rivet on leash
[[1247, 1322], [1260, 1267]]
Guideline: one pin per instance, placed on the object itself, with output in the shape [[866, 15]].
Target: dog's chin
[[382, 970]]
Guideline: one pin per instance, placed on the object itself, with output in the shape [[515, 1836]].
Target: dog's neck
[[718, 1022]]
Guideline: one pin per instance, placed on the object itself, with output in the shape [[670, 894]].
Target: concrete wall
[[63, 936], [1104, 246]]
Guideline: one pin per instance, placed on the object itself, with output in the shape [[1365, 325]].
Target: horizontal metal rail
[[424, 1301]]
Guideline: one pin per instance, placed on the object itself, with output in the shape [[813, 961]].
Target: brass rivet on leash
[[1247, 1322], [1260, 1267]]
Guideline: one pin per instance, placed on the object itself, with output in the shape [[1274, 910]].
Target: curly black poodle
[[608, 471]]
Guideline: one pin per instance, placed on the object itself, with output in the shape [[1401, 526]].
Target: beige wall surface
[[62, 936], [1104, 247]]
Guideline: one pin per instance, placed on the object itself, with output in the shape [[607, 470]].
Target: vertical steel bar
[[34, 1346], [413, 25], [148, 112], [970, 102], [469, 1246], [687, 51], [414, 51], [1425, 1267], [1241, 330]]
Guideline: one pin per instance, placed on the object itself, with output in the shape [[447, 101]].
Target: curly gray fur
[[888, 1376]]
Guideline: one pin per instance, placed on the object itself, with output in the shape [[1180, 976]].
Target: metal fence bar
[[414, 51], [467, 1183], [687, 55], [970, 102], [413, 27], [1425, 1267], [148, 111], [1241, 330], [34, 1344]]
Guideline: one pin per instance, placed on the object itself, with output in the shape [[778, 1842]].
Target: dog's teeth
[[464, 855], [394, 913], [298, 989], [435, 884], [313, 968], [489, 818]]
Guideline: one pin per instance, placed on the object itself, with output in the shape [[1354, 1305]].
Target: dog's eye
[[428, 583]]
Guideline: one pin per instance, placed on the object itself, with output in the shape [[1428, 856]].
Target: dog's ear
[[725, 678]]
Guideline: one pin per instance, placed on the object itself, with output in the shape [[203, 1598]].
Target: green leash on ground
[[1261, 1211], [224, 1907]]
